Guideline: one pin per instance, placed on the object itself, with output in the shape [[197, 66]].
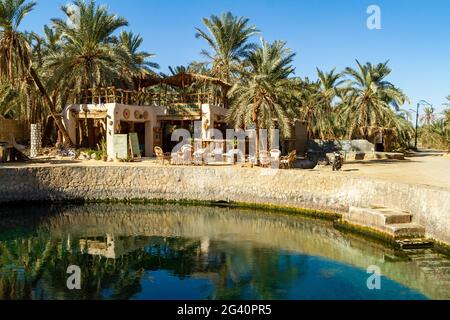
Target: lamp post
[[421, 102]]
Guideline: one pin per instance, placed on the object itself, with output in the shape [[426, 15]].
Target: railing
[[142, 98]]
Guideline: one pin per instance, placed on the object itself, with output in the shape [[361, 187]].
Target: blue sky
[[415, 35]]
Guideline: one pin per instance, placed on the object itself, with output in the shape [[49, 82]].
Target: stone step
[[416, 244], [376, 216], [440, 270], [426, 257], [404, 230], [434, 263]]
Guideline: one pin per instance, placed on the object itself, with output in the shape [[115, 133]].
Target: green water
[[177, 252]]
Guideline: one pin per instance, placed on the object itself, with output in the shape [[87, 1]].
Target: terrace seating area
[[187, 155]]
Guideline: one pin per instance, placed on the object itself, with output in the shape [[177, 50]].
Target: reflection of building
[[111, 247], [153, 111]]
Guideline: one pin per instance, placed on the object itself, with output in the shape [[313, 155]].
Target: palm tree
[[398, 130], [370, 99], [16, 56], [447, 115], [261, 96], [441, 129], [227, 37], [88, 57], [49, 44], [330, 87], [10, 102], [446, 112], [137, 64], [428, 117], [310, 109], [315, 104]]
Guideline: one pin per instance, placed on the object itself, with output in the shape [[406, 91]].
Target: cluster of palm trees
[[90, 49], [79, 52], [434, 131], [355, 103]]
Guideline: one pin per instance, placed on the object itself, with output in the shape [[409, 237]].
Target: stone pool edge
[[321, 195]]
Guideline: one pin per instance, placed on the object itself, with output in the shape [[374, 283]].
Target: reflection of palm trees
[[35, 251], [22, 263], [41, 262], [44, 262]]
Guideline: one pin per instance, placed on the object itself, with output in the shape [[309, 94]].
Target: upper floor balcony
[[144, 98], [184, 89]]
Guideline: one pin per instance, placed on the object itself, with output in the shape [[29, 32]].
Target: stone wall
[[322, 146], [303, 189]]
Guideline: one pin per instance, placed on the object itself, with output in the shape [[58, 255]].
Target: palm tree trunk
[[257, 141], [52, 108], [256, 122], [29, 104]]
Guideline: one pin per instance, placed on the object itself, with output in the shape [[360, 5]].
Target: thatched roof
[[186, 79], [147, 81], [179, 80]]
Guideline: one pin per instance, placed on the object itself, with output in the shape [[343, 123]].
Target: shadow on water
[[177, 252]]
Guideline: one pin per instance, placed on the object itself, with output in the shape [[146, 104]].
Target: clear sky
[[415, 35]]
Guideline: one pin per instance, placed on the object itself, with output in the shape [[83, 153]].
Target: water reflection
[[174, 252]]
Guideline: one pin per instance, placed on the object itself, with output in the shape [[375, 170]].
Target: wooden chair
[[264, 159], [161, 156], [198, 157], [16, 150], [288, 162], [185, 156]]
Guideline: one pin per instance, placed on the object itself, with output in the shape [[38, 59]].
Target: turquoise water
[[175, 252]]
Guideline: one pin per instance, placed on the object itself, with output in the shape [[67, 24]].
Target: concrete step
[[416, 244], [434, 264], [440, 270], [376, 216], [426, 257], [419, 252], [404, 230]]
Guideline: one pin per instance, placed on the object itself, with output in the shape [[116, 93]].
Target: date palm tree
[[370, 99], [48, 44], [137, 64], [16, 65], [446, 112], [10, 102], [88, 57], [447, 115], [227, 37], [398, 130], [315, 104], [442, 130], [330, 84], [260, 98], [428, 116]]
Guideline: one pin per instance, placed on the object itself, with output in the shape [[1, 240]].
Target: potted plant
[[102, 148]]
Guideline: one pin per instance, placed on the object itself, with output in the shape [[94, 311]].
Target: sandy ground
[[423, 170], [429, 169]]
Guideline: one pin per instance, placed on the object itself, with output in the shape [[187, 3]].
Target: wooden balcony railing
[[141, 98]]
